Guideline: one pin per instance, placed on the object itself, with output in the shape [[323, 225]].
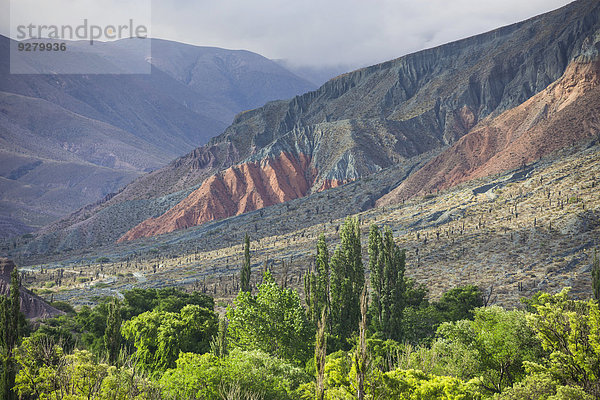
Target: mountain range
[[70, 140], [416, 125]]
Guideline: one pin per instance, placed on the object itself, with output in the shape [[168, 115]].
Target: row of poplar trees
[[334, 288]]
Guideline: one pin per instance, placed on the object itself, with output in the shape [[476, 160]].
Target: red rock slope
[[564, 113], [236, 190]]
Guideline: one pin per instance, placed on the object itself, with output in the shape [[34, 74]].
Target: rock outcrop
[[563, 114], [32, 306], [236, 190]]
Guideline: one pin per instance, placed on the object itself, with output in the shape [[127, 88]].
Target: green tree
[[316, 285], [92, 325], [112, 334], [240, 375], [137, 301], [45, 372], [62, 329], [320, 356], [495, 344], [39, 359], [399, 384], [174, 300], [245, 273], [159, 336], [361, 356], [88, 327], [542, 386], [417, 385], [218, 346], [420, 321], [459, 303], [10, 330], [387, 265], [376, 265], [273, 321], [346, 282], [569, 331]]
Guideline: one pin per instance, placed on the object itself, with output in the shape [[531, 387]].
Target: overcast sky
[[320, 32]]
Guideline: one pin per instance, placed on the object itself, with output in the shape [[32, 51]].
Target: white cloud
[[328, 32], [352, 32]]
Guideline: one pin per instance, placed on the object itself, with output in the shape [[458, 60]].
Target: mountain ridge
[[130, 123], [517, 136], [440, 121], [375, 118]]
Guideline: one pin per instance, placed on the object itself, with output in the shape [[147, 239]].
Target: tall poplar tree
[[387, 265], [346, 282], [10, 315], [377, 275], [245, 273], [218, 345], [320, 356], [316, 285], [112, 334], [361, 359]]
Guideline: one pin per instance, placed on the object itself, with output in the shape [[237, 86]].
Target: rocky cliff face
[[304, 161], [236, 190], [31, 305], [364, 121], [563, 114]]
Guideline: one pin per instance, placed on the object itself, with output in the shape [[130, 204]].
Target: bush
[[242, 374]]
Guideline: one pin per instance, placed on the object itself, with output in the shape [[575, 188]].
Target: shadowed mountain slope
[[353, 126], [115, 127]]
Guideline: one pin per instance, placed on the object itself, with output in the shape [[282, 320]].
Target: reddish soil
[[236, 190], [564, 113]]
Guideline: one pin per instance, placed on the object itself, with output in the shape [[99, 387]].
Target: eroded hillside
[[532, 229], [352, 127]]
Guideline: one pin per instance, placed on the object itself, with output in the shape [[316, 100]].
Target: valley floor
[[515, 234]]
